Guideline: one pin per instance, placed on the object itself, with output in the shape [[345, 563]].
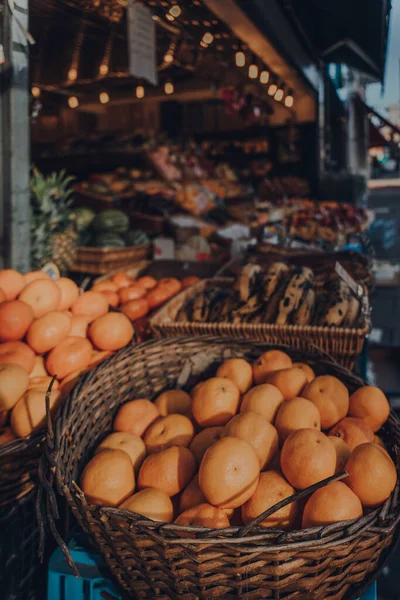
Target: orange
[[43, 296], [15, 319], [11, 283], [174, 401], [17, 353], [4, 417], [191, 495], [136, 416], [204, 515], [333, 503], [79, 325], [90, 304], [173, 430], [69, 292], [99, 356], [111, 297], [13, 384], [158, 296], [133, 292], [271, 489], [307, 370], [6, 436], [39, 370], [331, 398], [135, 309], [3, 297], [29, 414], [204, 440], [267, 363], [35, 276], [377, 440], [171, 285], [297, 413], [258, 432], [229, 472], [353, 431], [48, 331], [108, 479], [169, 470], [105, 286], [151, 503], [42, 383], [369, 404], [147, 282], [290, 382], [189, 281], [122, 280], [70, 381], [342, 452], [111, 332], [129, 442], [69, 355], [264, 399], [239, 372], [307, 457], [215, 401]]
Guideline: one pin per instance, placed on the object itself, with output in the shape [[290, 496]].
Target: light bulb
[[289, 101], [170, 17], [253, 71], [203, 44], [103, 69], [272, 89], [175, 10], [208, 38], [240, 59], [264, 77], [169, 87], [73, 102], [140, 92], [104, 98], [36, 92], [73, 74], [168, 58], [278, 95]]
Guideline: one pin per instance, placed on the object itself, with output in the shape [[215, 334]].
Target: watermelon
[[134, 238], [114, 221], [109, 240]]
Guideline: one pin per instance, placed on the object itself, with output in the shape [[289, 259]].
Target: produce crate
[[167, 561], [342, 344], [102, 260]]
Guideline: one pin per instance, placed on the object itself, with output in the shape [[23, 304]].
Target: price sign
[[141, 42]]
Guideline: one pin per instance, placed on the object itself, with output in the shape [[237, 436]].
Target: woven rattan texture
[[154, 561]]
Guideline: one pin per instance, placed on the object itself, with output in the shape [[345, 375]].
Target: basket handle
[[243, 531]]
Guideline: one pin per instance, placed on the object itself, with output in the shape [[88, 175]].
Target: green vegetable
[[111, 220], [109, 240], [134, 238], [83, 217]]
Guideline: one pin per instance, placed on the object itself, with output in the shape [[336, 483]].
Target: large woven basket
[[343, 344], [99, 261], [151, 560]]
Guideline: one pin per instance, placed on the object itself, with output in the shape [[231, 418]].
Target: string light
[[208, 38], [168, 58], [203, 44], [169, 88], [253, 71], [73, 102], [278, 94], [104, 98], [36, 92], [103, 70], [264, 77], [240, 58], [140, 92], [170, 17], [272, 89], [289, 100], [73, 74], [175, 10]]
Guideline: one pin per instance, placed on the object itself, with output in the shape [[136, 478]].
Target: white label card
[[357, 289], [142, 42]]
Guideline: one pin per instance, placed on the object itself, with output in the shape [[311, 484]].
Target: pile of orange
[[241, 442], [48, 329], [137, 297]]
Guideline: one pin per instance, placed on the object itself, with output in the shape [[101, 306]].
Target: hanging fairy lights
[[253, 68], [279, 94], [289, 100], [103, 69], [36, 91], [240, 58], [104, 98], [175, 11], [169, 88], [272, 89], [208, 38], [73, 74], [140, 93], [264, 77], [73, 102]]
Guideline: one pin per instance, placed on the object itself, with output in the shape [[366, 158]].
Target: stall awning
[[381, 131]]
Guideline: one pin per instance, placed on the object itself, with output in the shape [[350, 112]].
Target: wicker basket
[[151, 224], [102, 260], [151, 560], [344, 345]]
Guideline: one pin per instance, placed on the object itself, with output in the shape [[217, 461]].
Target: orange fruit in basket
[[129, 442], [6, 436], [342, 452], [122, 280], [15, 318], [258, 432], [4, 417], [307, 370], [191, 495], [174, 401], [187, 282], [48, 331], [71, 354], [147, 282], [169, 470], [369, 404], [331, 398], [3, 297], [136, 416], [377, 440], [105, 286], [171, 284], [239, 371], [111, 297], [204, 440], [98, 356], [229, 472], [372, 474], [215, 401], [333, 503], [36, 276], [108, 479], [90, 304], [353, 431], [135, 309], [173, 430], [204, 515], [42, 383], [307, 457], [70, 381], [79, 325], [17, 353], [111, 331], [151, 503], [267, 363], [29, 414], [157, 296], [288, 381], [39, 370], [69, 292], [297, 413], [44, 296], [13, 384], [133, 292], [11, 283], [264, 399], [271, 489]]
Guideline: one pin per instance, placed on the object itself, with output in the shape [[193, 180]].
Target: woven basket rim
[[106, 249], [22, 444]]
